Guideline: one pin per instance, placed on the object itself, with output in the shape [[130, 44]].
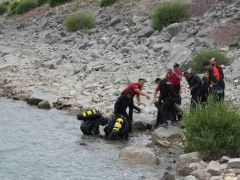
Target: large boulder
[[174, 29], [164, 136], [138, 155], [145, 32], [214, 168], [234, 163], [179, 54]]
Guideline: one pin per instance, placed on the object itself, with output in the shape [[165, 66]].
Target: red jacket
[[132, 88], [175, 77]]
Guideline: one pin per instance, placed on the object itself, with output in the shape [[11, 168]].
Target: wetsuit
[[90, 124], [204, 93], [111, 133], [167, 100], [121, 105]]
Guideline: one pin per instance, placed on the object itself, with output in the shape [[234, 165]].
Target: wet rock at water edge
[[167, 176], [33, 101], [44, 105], [138, 155]]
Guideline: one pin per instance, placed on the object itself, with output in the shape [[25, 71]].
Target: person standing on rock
[[136, 88], [122, 103], [176, 77], [213, 71], [194, 83], [221, 82], [204, 90], [166, 104]]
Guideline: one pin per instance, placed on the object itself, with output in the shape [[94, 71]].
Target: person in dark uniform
[[194, 82], [216, 90], [91, 120], [117, 128], [166, 103], [204, 90], [122, 103], [136, 88]]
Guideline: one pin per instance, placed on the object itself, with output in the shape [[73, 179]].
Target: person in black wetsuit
[[91, 120], [117, 128], [166, 103]]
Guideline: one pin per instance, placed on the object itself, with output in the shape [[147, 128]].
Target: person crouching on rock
[[117, 128], [136, 88], [91, 120]]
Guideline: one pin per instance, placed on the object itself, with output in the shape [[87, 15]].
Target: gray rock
[[139, 126], [224, 159], [234, 163], [201, 174], [189, 178], [188, 163], [51, 37], [167, 176], [48, 65], [34, 101], [174, 29], [115, 21], [44, 105], [180, 55], [145, 32], [138, 155], [214, 168], [169, 134]]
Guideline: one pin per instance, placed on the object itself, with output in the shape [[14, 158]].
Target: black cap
[[157, 80], [141, 79], [176, 65]]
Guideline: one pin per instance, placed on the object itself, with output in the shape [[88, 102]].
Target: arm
[[139, 92]]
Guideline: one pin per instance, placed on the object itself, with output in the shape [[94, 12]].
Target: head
[[214, 81], [141, 81], [206, 65], [176, 66], [213, 61], [187, 75], [157, 81], [204, 80]]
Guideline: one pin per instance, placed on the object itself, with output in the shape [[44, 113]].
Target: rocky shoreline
[[45, 65]]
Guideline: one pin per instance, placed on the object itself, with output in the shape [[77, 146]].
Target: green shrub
[[204, 55], [20, 7], [213, 130], [3, 8], [105, 3], [79, 21], [57, 2], [41, 2], [168, 13]]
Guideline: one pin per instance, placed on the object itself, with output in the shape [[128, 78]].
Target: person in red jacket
[[136, 88], [176, 77]]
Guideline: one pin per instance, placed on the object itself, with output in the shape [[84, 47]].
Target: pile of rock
[[192, 167]]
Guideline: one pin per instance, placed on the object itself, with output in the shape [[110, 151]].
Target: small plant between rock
[[3, 8], [105, 3], [206, 55], [168, 13], [75, 22]]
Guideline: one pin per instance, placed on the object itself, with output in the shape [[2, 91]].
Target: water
[[38, 144]]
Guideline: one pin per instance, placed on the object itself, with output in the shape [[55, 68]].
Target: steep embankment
[[39, 58]]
